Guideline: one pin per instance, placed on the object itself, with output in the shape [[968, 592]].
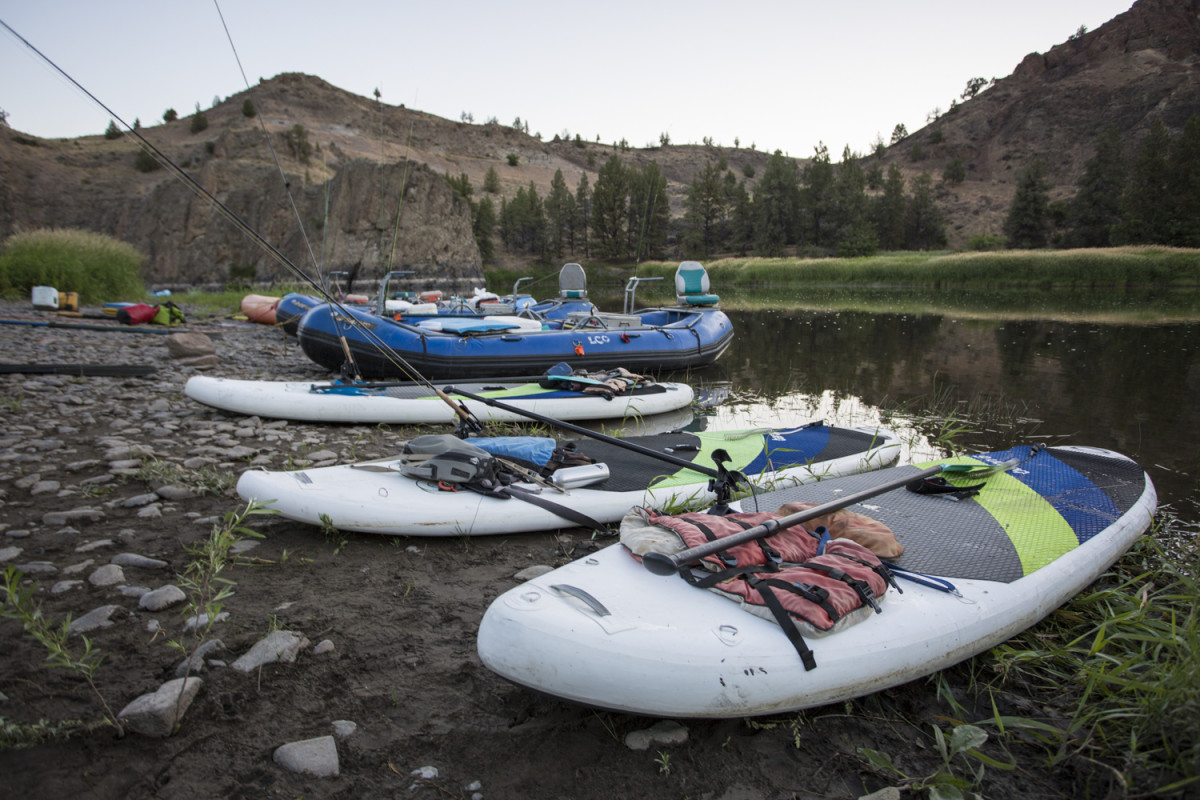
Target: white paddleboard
[[375, 497], [417, 404], [605, 632]]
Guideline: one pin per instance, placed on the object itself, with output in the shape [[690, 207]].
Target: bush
[[955, 172], [248, 108], [169, 115], [199, 122], [513, 158], [298, 144], [98, 267], [986, 241], [146, 162]]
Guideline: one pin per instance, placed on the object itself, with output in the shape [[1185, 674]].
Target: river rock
[[317, 757], [276, 646], [157, 714]]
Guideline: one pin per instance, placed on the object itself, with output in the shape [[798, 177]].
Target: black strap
[[726, 557], [789, 628], [817, 595], [567, 513], [861, 588]]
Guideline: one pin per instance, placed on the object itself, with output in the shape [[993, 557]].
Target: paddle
[[667, 564], [628, 445]]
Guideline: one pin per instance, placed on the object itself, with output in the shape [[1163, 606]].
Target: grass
[[1118, 665], [205, 480], [97, 267], [1114, 266]]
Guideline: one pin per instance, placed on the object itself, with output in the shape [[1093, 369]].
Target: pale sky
[[775, 74]]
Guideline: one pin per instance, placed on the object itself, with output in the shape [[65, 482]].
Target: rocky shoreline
[[249, 656]]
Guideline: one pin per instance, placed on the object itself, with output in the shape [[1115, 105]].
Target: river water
[[1088, 368]]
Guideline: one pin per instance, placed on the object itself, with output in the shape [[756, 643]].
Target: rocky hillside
[[1142, 64]]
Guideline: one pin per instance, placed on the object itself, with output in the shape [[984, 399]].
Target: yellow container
[[68, 301]]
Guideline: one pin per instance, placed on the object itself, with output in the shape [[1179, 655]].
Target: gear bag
[[445, 458], [136, 314]]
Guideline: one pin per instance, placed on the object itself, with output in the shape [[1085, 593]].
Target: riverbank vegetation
[[98, 268]]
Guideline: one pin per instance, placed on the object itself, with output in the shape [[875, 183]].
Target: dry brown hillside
[[1143, 64]]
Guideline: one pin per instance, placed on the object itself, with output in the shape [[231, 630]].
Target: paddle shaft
[[637, 448], [668, 564]]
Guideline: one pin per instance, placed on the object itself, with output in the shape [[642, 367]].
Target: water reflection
[[1124, 385]]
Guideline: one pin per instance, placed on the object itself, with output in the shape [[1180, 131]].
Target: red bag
[[136, 314]]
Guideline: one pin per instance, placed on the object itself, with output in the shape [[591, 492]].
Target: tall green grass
[[1118, 668], [97, 267], [1114, 266]]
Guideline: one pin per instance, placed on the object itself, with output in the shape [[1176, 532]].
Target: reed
[[96, 267], [1115, 266]]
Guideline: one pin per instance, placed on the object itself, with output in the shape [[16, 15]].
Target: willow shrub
[[97, 267]]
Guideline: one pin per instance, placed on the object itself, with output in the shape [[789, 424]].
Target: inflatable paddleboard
[[417, 404], [375, 497], [605, 632]]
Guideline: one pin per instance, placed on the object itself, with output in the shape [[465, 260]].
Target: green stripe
[[1037, 531], [742, 447], [524, 390]]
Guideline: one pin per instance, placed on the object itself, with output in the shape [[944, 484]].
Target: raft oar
[[668, 564]]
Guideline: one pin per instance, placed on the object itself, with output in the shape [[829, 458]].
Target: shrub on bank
[[97, 267]]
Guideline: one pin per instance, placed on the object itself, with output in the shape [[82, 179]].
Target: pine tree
[[777, 206], [704, 210], [583, 216], [1028, 222], [741, 219], [648, 212], [558, 215], [890, 211], [491, 181], [483, 221], [609, 209], [1095, 210], [819, 178], [924, 225], [1145, 206], [1184, 186], [855, 233]]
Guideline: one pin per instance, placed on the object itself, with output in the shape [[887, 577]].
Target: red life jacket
[[801, 579]]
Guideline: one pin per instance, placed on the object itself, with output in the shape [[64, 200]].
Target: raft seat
[[692, 286]]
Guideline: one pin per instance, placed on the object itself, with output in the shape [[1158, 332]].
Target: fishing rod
[[239, 223]]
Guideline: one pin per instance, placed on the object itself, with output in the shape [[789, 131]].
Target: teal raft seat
[[691, 285]]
